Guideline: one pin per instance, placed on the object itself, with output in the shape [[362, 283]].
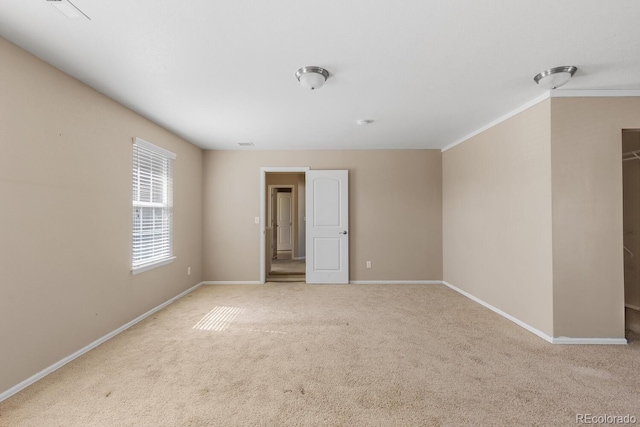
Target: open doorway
[[321, 234], [285, 227], [631, 230]]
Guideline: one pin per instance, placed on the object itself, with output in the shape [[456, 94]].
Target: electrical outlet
[[188, 271], [256, 220], [368, 264]]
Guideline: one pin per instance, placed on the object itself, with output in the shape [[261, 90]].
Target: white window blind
[[152, 204]]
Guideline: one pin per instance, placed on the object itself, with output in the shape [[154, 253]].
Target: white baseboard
[[351, 282], [553, 340], [567, 340], [232, 282], [395, 282], [633, 307], [13, 390], [501, 313]]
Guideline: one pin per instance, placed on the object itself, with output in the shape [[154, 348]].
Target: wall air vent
[[245, 144], [68, 9]]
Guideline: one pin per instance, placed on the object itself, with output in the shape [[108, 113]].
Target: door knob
[[343, 232]]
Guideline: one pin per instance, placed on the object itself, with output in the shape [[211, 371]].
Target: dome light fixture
[[312, 77], [553, 78]]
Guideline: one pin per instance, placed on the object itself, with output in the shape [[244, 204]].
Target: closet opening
[[631, 230]]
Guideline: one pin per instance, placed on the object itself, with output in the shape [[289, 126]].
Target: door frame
[[263, 209], [294, 220]]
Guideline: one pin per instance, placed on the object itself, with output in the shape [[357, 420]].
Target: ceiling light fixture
[[364, 122], [312, 77], [68, 9], [555, 77]]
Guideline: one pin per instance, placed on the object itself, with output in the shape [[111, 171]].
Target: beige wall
[[65, 246], [497, 217], [532, 214], [631, 184], [587, 213], [395, 211]]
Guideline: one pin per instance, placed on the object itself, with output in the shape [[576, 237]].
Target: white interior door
[[285, 216], [327, 208]]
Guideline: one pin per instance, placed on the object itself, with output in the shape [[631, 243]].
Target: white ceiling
[[428, 72]]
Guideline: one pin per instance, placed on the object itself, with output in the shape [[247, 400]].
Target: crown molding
[[557, 93], [501, 119], [594, 93]]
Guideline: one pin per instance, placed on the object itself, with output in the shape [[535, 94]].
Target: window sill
[[148, 267]]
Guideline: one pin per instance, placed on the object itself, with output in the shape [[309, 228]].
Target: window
[[152, 206]]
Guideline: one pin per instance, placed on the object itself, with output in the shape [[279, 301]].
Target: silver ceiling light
[[312, 77], [555, 77]]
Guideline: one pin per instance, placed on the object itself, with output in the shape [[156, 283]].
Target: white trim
[[148, 267], [155, 148], [633, 307], [606, 341], [501, 313], [552, 340], [560, 93], [263, 195], [594, 93], [395, 282], [499, 120], [285, 169], [233, 282], [13, 390]]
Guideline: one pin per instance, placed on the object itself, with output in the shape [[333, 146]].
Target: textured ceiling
[[426, 72]]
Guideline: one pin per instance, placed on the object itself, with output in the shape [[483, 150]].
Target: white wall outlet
[[257, 220], [188, 271], [368, 264]]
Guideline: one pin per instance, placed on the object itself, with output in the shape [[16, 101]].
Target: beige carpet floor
[[323, 355]]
